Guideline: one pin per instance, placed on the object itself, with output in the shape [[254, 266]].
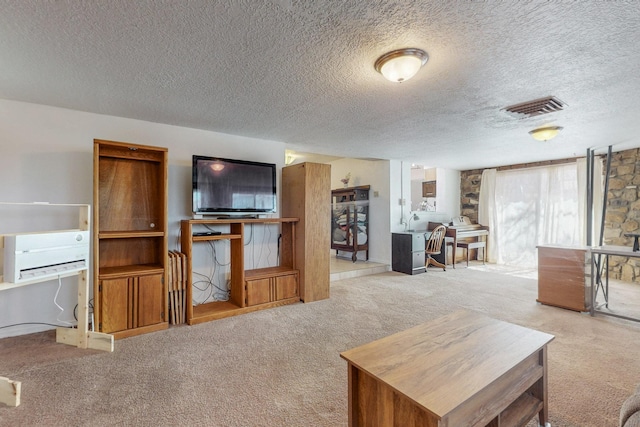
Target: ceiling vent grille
[[537, 107]]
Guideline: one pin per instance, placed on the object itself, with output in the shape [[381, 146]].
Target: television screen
[[233, 186]]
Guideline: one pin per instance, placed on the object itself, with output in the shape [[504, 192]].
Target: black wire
[[250, 235], [75, 309], [35, 323], [215, 291]]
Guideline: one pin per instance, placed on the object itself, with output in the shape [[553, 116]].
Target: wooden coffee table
[[463, 369]]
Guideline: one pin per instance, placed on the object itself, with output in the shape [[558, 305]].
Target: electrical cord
[[278, 254], [223, 294], [55, 301], [266, 238], [207, 285], [250, 235], [67, 325], [34, 323], [75, 309]]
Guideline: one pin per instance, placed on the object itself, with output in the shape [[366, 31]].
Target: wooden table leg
[[541, 390]]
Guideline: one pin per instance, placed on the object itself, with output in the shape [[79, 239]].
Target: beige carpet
[[281, 367]]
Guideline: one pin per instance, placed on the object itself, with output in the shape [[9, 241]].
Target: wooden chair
[[434, 246], [448, 242]]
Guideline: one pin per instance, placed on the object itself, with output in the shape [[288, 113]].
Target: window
[[525, 208]]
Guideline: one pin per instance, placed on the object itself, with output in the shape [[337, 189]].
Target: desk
[[463, 369], [407, 252], [563, 276], [596, 282]]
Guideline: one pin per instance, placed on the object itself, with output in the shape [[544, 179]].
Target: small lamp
[[414, 217], [545, 133], [400, 65]]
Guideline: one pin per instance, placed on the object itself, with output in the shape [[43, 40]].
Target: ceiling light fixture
[[545, 133], [402, 64], [217, 167]]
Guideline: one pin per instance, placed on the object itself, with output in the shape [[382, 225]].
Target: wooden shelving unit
[[130, 238], [306, 194], [251, 290]]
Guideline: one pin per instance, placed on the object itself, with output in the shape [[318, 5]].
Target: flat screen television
[[228, 186]]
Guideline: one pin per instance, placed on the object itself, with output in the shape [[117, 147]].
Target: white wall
[[46, 154], [417, 177], [447, 197], [448, 192]]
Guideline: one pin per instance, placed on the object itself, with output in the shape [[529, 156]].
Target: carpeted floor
[[281, 367]]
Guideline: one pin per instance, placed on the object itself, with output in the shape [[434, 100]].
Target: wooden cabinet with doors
[[270, 285], [131, 302], [306, 194], [130, 238]]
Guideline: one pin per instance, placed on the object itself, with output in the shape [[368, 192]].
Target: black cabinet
[[407, 252]]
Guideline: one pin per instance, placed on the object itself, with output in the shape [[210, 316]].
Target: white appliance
[[32, 256]]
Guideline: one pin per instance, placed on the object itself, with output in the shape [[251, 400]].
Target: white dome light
[[402, 64], [545, 133]]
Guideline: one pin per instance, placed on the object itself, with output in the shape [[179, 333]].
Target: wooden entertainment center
[[251, 290], [131, 244]]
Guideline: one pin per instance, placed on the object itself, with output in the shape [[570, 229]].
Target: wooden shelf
[[216, 237], [129, 234], [217, 221], [9, 285], [222, 309], [128, 270], [267, 272], [521, 411]]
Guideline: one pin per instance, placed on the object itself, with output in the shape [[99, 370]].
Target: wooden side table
[[463, 369]]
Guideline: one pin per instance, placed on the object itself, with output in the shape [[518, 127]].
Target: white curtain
[[528, 207], [487, 212], [598, 193]]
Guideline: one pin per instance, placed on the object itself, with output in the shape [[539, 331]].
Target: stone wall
[[470, 192], [623, 207], [623, 211]]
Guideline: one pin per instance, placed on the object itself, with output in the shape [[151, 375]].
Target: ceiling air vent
[[536, 107]]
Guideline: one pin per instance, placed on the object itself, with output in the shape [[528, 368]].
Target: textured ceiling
[[302, 72]]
